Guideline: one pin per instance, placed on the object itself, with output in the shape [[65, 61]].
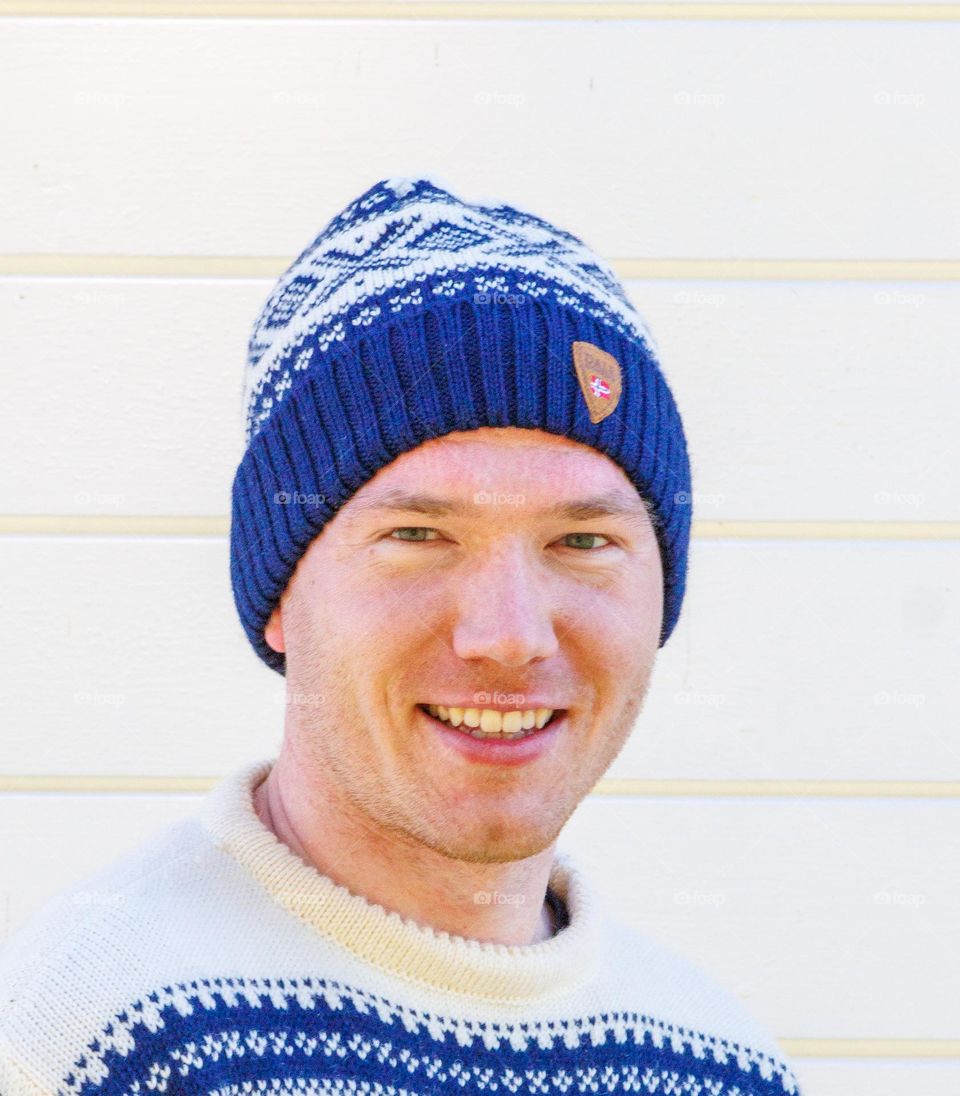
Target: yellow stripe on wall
[[271, 266], [476, 9], [164, 525]]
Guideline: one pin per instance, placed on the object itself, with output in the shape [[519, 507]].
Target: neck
[[431, 889]]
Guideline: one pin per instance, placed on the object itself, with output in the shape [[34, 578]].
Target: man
[[460, 531]]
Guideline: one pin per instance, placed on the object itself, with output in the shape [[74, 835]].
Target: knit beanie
[[413, 314]]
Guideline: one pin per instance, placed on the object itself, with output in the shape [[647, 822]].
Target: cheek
[[617, 628], [650, 599], [374, 618]]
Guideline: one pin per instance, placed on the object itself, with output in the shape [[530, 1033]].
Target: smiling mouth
[[486, 724]]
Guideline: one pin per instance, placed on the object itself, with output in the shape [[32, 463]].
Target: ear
[[273, 631]]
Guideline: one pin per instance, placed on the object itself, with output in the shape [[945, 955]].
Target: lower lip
[[507, 752]]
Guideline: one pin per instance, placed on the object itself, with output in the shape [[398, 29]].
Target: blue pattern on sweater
[[229, 1036]]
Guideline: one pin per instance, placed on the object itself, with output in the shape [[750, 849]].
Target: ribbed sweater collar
[[392, 942]]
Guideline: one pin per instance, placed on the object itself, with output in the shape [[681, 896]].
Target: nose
[[503, 612]]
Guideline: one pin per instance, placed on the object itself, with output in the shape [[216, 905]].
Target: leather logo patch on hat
[[600, 379]]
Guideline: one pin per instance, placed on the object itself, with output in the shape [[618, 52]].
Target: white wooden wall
[[778, 187]]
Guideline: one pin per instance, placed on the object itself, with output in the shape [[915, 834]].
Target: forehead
[[541, 472], [509, 448], [464, 455]]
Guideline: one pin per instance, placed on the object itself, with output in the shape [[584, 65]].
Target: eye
[[413, 529], [585, 536], [418, 534]]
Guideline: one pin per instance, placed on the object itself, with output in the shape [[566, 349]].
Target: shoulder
[[80, 909], [91, 944]]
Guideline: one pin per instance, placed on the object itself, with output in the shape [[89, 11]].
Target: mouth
[[487, 724]]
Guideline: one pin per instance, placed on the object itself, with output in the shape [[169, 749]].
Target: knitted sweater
[[213, 960]]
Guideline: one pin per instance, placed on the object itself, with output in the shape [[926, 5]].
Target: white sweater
[[213, 960]]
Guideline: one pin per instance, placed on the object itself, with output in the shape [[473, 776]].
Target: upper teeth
[[492, 721]]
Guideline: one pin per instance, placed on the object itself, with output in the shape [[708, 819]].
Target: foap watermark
[[298, 498], [100, 98], [701, 498], [899, 98], [97, 498], [699, 98], [300, 700], [899, 498], [699, 898], [482, 699], [498, 498], [98, 898], [899, 297], [499, 898], [692, 296], [99, 296], [692, 699], [93, 700], [898, 898], [892, 698], [499, 98], [500, 298]]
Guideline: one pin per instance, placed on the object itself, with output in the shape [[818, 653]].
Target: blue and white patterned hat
[[414, 314]]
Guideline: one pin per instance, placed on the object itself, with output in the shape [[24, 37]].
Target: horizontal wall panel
[[461, 9], [816, 660], [135, 393], [823, 917], [679, 138], [801, 401]]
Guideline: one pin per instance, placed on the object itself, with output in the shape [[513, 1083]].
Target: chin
[[496, 843]]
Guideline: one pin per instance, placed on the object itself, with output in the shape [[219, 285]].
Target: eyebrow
[[612, 504]]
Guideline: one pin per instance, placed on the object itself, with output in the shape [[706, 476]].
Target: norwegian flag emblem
[[601, 390], [599, 387]]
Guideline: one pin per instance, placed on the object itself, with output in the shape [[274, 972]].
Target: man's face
[[390, 610]]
